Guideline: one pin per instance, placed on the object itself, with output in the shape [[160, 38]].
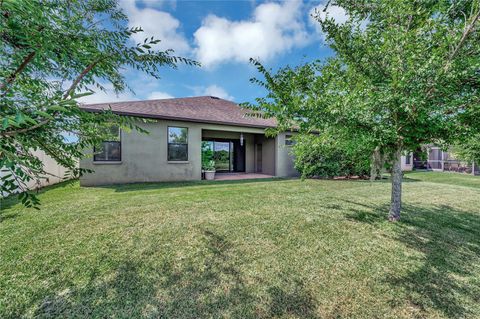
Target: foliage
[[404, 74], [209, 166], [326, 156], [469, 149], [207, 155], [51, 51]]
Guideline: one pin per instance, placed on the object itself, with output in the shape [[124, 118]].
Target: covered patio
[[240, 153]]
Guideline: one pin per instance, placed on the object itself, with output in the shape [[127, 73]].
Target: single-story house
[[436, 159], [172, 150]]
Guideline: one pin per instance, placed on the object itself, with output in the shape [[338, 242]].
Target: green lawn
[[270, 248]]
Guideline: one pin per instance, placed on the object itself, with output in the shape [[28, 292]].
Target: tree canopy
[[52, 53], [404, 74]]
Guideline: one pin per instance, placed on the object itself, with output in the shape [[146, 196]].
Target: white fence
[[56, 172]]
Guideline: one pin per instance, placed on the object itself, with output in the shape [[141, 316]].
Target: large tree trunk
[[376, 165], [397, 175]]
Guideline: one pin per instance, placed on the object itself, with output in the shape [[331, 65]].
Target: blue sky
[[222, 35]]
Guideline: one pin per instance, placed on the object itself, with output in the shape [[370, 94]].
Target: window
[[111, 149], [177, 144], [407, 159], [289, 140]]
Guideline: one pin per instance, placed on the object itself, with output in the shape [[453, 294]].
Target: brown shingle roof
[[203, 109]]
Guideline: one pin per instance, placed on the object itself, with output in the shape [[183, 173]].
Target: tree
[[404, 74], [469, 149], [50, 52]]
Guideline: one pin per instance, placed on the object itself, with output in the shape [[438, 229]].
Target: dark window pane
[[177, 144], [108, 151], [288, 140], [99, 153], [178, 135], [177, 152], [407, 159]]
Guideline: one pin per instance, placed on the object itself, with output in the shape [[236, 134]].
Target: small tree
[[51, 50], [404, 74]]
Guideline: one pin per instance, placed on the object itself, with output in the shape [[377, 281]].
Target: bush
[[326, 156]]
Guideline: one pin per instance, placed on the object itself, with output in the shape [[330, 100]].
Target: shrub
[[327, 156]]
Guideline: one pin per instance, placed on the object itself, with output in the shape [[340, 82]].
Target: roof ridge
[[169, 99]]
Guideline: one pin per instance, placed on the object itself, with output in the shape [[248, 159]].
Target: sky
[[222, 36]]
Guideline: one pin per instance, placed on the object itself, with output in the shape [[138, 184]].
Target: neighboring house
[[436, 159], [172, 149], [407, 162]]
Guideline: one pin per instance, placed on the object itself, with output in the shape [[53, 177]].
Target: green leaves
[[54, 53], [329, 155]]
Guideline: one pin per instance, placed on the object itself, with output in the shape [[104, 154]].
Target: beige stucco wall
[[285, 158], [144, 156], [269, 154]]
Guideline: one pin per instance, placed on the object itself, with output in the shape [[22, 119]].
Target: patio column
[[441, 161]]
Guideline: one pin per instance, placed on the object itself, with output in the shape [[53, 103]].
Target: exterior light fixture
[[241, 139]]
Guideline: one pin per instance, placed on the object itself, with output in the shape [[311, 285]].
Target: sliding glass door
[[223, 156], [229, 155]]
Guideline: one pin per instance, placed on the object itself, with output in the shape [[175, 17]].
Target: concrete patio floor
[[239, 176]]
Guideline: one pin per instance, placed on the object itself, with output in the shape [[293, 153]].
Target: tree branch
[[79, 78], [467, 31], [21, 67], [24, 130], [65, 96]]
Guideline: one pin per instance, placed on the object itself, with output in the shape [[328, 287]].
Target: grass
[[446, 178], [245, 249]]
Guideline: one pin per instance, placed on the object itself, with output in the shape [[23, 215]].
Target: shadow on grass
[[166, 185], [449, 240], [12, 200], [211, 285]]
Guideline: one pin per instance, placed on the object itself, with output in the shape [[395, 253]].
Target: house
[[172, 149], [436, 159], [407, 162]]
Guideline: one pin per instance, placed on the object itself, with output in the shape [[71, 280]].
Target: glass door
[[223, 156], [228, 154]]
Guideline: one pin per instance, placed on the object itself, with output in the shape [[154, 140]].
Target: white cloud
[[336, 12], [213, 90], [108, 96], [159, 24], [157, 95], [273, 29]]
